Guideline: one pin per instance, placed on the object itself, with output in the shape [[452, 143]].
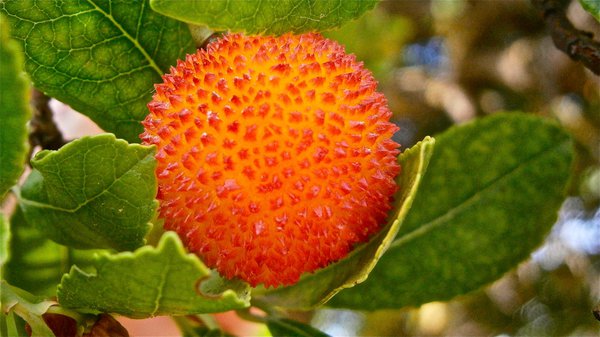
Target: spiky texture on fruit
[[274, 155]]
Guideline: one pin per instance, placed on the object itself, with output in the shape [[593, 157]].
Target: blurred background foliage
[[442, 62]]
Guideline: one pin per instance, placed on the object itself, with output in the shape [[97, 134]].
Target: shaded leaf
[[95, 192], [592, 6], [490, 195], [100, 57], [288, 327], [317, 288], [28, 307], [151, 281], [37, 264], [14, 110], [206, 332], [267, 16]]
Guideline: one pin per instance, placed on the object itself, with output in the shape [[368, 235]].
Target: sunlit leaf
[[14, 110], [319, 287], [149, 282], [95, 192], [490, 195], [265, 17], [100, 57]]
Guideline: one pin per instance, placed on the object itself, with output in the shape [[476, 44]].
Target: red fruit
[[274, 155]]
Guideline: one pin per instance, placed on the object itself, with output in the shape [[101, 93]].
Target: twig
[[579, 45], [42, 129]]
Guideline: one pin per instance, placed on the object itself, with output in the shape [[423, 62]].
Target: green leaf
[[592, 6], [489, 197], [14, 110], [152, 281], [206, 332], [101, 57], [95, 192], [267, 16], [288, 327], [4, 240], [10, 325], [317, 288], [27, 306], [37, 264]]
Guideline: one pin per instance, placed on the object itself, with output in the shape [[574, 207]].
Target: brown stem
[[43, 131], [579, 45]]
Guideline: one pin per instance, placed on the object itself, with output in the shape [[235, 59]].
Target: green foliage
[[288, 327], [37, 264], [317, 288], [592, 6], [4, 240], [151, 282], [28, 307], [490, 195], [100, 57], [206, 332], [14, 110], [95, 192], [9, 325], [265, 17]]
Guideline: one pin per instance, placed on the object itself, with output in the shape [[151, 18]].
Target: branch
[[42, 129], [579, 45]]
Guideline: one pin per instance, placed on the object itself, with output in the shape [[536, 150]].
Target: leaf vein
[[78, 207], [131, 38], [441, 219]]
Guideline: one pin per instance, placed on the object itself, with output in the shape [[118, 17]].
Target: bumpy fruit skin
[[274, 155]]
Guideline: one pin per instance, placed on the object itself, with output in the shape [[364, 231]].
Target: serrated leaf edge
[[168, 241]]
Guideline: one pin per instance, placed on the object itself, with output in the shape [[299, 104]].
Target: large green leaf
[[28, 307], [99, 56], [490, 195], [265, 17], [37, 264], [288, 327], [14, 110], [95, 192], [151, 282], [592, 6], [317, 288]]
